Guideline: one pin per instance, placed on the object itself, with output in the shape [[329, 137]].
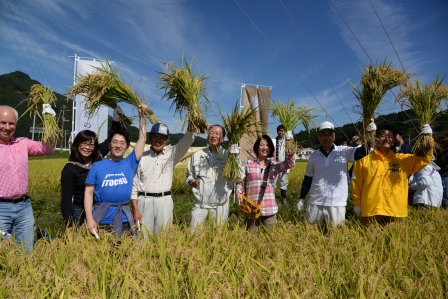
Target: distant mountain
[[15, 88]]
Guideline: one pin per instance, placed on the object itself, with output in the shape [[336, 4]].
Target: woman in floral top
[[253, 178]]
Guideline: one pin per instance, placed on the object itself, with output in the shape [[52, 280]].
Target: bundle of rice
[[186, 90], [425, 101], [238, 124], [376, 81], [40, 95], [105, 87], [291, 118]]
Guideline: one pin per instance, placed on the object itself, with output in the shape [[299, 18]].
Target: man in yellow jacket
[[380, 180]]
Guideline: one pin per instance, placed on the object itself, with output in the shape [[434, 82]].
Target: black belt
[[155, 194], [14, 200]]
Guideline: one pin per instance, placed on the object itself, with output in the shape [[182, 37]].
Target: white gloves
[[411, 177], [234, 149], [371, 127], [300, 205], [357, 211], [426, 129], [46, 109], [116, 117], [289, 135]]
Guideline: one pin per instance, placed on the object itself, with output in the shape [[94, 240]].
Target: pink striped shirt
[[254, 178], [14, 165]]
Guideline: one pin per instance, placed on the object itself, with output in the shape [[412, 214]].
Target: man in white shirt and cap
[[326, 178], [151, 192]]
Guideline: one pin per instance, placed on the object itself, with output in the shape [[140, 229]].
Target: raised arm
[[140, 144]]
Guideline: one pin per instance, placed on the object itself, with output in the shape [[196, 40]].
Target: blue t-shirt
[[113, 182]]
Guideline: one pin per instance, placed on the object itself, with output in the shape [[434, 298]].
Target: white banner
[[98, 122]]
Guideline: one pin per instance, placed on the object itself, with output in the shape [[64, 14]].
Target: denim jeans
[[445, 192], [18, 220]]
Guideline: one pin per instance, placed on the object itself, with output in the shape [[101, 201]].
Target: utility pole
[[62, 127], [409, 138], [34, 125]]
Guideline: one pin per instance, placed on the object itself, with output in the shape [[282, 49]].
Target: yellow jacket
[[380, 183]]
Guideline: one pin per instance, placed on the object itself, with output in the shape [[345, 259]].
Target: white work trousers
[[157, 213], [283, 179], [316, 214], [219, 214]]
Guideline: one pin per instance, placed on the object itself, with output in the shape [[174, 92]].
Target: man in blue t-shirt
[[109, 182]]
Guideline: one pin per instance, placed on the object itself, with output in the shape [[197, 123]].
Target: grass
[[406, 259]]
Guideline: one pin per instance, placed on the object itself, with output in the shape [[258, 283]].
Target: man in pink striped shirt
[[16, 213]]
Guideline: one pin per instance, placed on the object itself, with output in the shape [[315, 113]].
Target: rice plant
[[38, 96], [426, 101], [376, 81], [292, 117], [105, 87], [238, 124], [188, 91]]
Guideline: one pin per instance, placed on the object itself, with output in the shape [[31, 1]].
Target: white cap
[[326, 125]]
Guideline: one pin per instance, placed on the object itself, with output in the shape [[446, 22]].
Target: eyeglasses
[[326, 135], [118, 143], [385, 135], [212, 133], [87, 144]]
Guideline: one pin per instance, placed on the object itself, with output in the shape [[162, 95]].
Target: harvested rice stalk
[[105, 87], [292, 117], [186, 90], [426, 101], [376, 81], [238, 124], [39, 96]]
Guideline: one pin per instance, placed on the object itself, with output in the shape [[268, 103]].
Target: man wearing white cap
[[326, 178], [151, 192]]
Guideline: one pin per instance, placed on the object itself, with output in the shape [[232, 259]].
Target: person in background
[[280, 156], [442, 162], [151, 199], [356, 142], [427, 185], [326, 178], [84, 151], [204, 175], [343, 142], [252, 181], [380, 180], [109, 182], [16, 213], [400, 145]]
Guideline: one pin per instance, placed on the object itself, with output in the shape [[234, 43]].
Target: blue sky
[[303, 49]]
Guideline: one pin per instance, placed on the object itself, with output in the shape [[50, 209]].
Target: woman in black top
[[84, 151]]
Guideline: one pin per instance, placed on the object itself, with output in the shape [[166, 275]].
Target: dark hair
[[399, 132], [443, 144], [222, 128], [81, 137], [119, 131], [281, 127], [270, 144], [385, 126]]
